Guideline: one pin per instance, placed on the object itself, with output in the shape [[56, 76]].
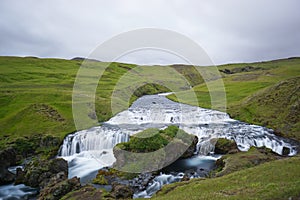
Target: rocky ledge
[[50, 176]]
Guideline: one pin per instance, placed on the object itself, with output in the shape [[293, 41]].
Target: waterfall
[[94, 139], [156, 111], [243, 134], [157, 183]]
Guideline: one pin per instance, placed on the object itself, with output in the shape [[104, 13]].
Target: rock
[[240, 69], [166, 146], [224, 146], [38, 173], [86, 192], [50, 176], [6, 176], [121, 191], [192, 148], [8, 158], [55, 190], [185, 178], [285, 151], [49, 141], [19, 176]]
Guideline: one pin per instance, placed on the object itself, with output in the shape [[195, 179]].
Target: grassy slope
[[36, 97], [36, 94], [278, 179], [250, 96], [30, 90]]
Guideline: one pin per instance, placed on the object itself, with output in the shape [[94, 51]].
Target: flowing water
[[21, 191], [89, 150]]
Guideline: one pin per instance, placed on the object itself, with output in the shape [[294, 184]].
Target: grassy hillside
[[36, 94], [263, 93], [278, 179], [36, 99]]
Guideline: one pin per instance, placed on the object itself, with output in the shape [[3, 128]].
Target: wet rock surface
[[8, 158], [224, 146], [57, 188], [50, 176]]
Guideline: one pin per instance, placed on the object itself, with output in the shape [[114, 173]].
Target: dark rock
[[6, 176], [226, 71], [141, 182], [240, 69], [57, 188], [87, 192], [192, 148], [19, 176], [49, 141], [224, 146], [38, 173], [285, 151], [185, 178], [85, 59], [121, 191], [8, 158]]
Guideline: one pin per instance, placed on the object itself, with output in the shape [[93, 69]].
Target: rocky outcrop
[[240, 69], [87, 192], [50, 176], [147, 154], [38, 173], [57, 188], [8, 158], [224, 146], [192, 148], [121, 191]]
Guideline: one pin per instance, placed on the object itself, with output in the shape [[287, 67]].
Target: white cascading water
[[90, 150], [157, 183]]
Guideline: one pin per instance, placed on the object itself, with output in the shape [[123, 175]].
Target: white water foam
[[91, 149]]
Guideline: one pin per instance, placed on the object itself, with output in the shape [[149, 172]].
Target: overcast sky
[[228, 30]]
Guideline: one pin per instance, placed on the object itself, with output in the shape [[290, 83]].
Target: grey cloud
[[229, 31]]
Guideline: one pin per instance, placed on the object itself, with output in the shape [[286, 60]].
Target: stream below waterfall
[[89, 150]]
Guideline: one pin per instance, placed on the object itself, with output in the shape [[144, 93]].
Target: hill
[[263, 93]]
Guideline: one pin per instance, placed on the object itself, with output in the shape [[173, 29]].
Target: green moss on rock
[[153, 149], [224, 146]]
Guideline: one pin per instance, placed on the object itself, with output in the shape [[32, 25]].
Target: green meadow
[[36, 99]]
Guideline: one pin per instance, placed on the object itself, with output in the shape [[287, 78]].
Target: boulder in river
[[224, 146], [38, 172], [55, 190], [8, 158]]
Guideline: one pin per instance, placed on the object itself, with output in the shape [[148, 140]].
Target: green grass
[[36, 101], [151, 149], [28, 85], [251, 96], [278, 179], [36, 94]]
